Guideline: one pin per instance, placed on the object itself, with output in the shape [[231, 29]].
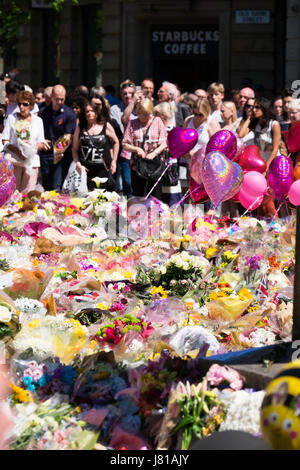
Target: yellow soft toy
[[280, 412]]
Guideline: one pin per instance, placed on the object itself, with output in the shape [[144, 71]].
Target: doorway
[[187, 55]]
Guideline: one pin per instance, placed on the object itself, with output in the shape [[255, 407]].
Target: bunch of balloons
[[220, 169], [227, 170]]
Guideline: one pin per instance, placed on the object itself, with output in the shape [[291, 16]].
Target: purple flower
[[253, 262]]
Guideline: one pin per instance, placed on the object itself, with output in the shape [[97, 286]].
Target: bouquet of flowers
[[22, 128], [50, 426], [105, 206], [180, 267], [29, 150], [201, 412], [114, 332], [59, 147], [52, 336], [9, 324]]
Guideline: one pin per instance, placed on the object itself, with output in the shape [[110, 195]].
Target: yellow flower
[[20, 204], [36, 262], [189, 305], [128, 275], [34, 324], [159, 290], [53, 194], [218, 420], [263, 322], [210, 252], [101, 306], [78, 409], [244, 294], [69, 211], [72, 222], [229, 255], [201, 223], [77, 202], [20, 394], [93, 344], [214, 295]]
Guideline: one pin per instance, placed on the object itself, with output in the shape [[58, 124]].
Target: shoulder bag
[[149, 169]]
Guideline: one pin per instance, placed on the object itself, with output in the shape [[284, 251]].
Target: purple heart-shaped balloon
[[280, 176], [221, 177], [223, 141], [181, 141]]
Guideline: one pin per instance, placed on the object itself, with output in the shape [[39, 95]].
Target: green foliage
[[12, 17], [5, 330], [16, 13]]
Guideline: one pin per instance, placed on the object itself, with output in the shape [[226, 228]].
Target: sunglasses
[[257, 107], [198, 114], [126, 85], [24, 104], [249, 106]]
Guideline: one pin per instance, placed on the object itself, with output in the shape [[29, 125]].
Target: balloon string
[[272, 220], [187, 194], [156, 183], [248, 210]]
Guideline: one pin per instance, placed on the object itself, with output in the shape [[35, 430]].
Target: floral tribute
[[107, 327]]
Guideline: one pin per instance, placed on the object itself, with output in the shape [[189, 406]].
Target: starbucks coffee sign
[[184, 40]]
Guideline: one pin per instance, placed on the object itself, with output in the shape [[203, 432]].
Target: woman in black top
[[95, 146]]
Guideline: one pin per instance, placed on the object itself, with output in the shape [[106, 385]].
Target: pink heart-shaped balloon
[[221, 177], [181, 141], [196, 164], [223, 141], [250, 159], [197, 192]]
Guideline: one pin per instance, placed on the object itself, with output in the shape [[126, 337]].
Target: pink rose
[[218, 374]]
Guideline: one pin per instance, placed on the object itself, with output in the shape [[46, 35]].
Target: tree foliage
[[16, 13]]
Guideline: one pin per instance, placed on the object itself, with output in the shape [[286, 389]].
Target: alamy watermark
[[141, 221], [295, 87]]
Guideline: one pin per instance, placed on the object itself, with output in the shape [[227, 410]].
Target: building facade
[[190, 42]]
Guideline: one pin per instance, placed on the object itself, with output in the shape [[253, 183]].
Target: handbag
[[149, 169], [75, 182]]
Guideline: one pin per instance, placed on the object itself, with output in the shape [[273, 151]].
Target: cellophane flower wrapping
[[52, 336]]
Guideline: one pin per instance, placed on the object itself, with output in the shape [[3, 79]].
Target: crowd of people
[[123, 139]]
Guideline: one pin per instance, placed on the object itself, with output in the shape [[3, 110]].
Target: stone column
[[292, 65], [111, 43]]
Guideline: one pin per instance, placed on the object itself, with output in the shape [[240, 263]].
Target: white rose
[[162, 270], [5, 314], [185, 266]]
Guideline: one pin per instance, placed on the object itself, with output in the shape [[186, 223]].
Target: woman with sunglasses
[[267, 135], [243, 130], [265, 128], [202, 122], [24, 134]]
